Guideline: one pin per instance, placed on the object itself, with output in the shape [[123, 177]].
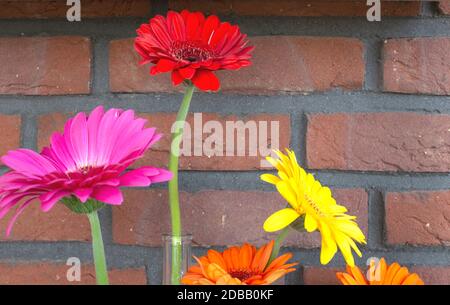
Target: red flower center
[[242, 275], [192, 51]]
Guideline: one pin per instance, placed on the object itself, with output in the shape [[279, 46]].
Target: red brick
[[48, 273], [163, 121], [304, 64], [47, 125], [418, 218], [444, 7], [58, 224], [234, 217], [321, 275], [45, 65], [296, 7], [327, 275], [433, 275], [159, 155], [43, 9], [379, 142], [9, 132], [417, 65]]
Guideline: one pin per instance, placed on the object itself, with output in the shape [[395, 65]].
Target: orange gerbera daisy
[[379, 274], [243, 265]]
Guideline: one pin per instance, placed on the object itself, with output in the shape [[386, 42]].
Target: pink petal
[[27, 161], [79, 139], [134, 178], [18, 212], [108, 194], [83, 193], [60, 150], [92, 125], [48, 200], [163, 176]]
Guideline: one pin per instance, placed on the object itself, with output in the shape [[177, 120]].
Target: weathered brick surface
[[59, 224], [431, 275], [305, 64], [419, 218], [45, 65], [9, 132], [379, 142], [313, 275], [296, 7], [49, 273], [199, 157], [235, 217], [417, 65], [89, 8], [444, 7], [227, 158]]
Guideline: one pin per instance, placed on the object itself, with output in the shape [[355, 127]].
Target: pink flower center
[[192, 51]]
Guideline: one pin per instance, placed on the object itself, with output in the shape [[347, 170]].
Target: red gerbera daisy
[[192, 47]]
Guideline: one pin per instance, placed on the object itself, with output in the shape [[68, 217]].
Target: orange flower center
[[192, 51], [242, 275]]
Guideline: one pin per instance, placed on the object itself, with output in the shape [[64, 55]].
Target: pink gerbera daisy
[[87, 161]]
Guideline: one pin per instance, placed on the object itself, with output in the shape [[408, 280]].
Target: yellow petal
[[310, 223], [272, 179], [285, 190], [329, 247], [280, 220]]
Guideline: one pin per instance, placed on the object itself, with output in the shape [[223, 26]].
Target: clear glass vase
[[182, 244]]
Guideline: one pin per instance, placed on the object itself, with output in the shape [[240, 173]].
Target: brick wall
[[366, 107]]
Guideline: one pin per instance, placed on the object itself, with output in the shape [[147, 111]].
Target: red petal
[[165, 65], [192, 26], [187, 72], [176, 78], [176, 26], [220, 34], [211, 23], [206, 80]]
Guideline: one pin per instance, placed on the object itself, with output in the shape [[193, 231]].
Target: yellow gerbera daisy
[[308, 197]]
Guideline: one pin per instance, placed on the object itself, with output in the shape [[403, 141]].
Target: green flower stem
[[101, 272], [278, 242], [173, 185]]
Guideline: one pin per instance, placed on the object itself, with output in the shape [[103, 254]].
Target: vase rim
[[183, 237]]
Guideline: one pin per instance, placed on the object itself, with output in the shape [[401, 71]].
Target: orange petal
[[340, 277], [413, 279], [217, 258], [191, 279], [215, 272], [392, 270], [227, 258], [357, 275], [350, 280], [204, 281], [195, 269], [202, 267], [383, 270], [274, 275], [234, 251], [400, 276], [279, 261], [265, 256], [257, 258], [257, 282], [245, 257]]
